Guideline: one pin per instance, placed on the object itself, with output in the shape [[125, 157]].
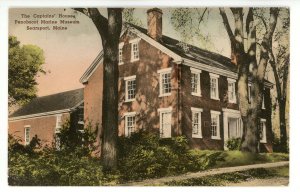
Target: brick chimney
[[154, 20]]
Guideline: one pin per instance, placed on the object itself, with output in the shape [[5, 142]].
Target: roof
[[180, 50], [192, 52], [55, 102]]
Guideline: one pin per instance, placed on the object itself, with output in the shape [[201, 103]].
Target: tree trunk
[[283, 132], [110, 91]]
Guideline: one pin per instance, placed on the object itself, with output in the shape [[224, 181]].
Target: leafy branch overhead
[[25, 63]]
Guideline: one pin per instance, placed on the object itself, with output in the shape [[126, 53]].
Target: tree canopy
[[25, 63]]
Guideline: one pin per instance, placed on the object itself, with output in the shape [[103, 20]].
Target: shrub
[[234, 144]]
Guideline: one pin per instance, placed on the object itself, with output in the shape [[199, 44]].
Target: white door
[[165, 130]]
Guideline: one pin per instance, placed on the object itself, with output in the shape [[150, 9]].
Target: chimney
[[154, 21]]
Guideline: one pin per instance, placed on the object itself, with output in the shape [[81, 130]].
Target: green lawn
[[236, 177]]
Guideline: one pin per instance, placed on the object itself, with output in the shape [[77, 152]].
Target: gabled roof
[[187, 51], [56, 102]]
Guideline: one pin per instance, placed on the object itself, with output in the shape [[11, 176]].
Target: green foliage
[[234, 144], [278, 146], [71, 165], [25, 62], [145, 155], [79, 142]]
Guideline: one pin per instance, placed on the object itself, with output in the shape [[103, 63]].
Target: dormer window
[[121, 53], [135, 55]]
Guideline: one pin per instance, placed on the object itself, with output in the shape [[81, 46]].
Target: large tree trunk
[[282, 121], [250, 108], [110, 90]]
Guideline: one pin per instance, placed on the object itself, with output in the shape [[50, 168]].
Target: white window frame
[[135, 42], [198, 112], [126, 116], [161, 112], [127, 79], [121, 62], [231, 81], [249, 92], [263, 131], [217, 115], [58, 123], [162, 72], [27, 134], [196, 72], [263, 100], [216, 77]]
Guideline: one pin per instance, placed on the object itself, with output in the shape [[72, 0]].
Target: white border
[[294, 72]]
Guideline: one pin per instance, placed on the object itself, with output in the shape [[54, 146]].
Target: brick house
[[44, 116], [173, 88]]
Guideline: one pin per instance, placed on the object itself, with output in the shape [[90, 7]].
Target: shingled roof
[[192, 52], [55, 102]]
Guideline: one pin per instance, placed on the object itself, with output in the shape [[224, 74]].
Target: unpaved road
[[275, 181]]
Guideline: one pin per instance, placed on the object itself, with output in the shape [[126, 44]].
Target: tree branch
[[226, 24]]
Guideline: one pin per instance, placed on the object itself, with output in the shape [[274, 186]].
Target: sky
[[69, 52]]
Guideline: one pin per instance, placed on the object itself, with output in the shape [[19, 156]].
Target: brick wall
[[43, 127]]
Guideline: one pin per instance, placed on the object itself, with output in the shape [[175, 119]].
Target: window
[[263, 131], [196, 122], [165, 82], [214, 87], [263, 101], [195, 82], [129, 123], [58, 123], [249, 93], [135, 55], [231, 91], [130, 87], [121, 53], [215, 124], [27, 134], [165, 119]]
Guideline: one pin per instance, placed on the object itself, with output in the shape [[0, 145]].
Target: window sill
[[121, 63], [166, 94], [216, 138], [133, 60], [263, 142], [129, 100], [232, 102], [197, 136], [218, 99], [196, 94]]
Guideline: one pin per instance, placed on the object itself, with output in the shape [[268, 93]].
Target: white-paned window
[[58, 123], [263, 100], [249, 93], [196, 122], [27, 134], [165, 120], [231, 90], [215, 124], [214, 86], [135, 55], [195, 82], [263, 131], [130, 123], [165, 82], [121, 53], [130, 88]]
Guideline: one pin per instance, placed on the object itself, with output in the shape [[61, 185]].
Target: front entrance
[[233, 127]]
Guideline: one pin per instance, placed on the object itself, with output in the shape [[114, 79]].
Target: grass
[[236, 177], [238, 158]]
